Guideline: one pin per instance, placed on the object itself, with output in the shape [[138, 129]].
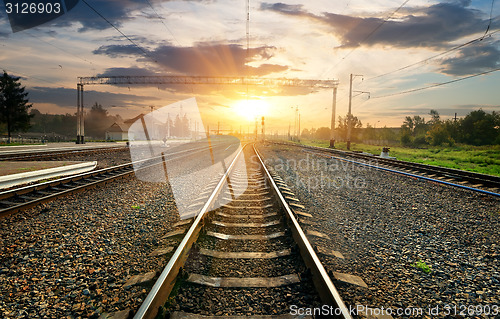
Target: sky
[[391, 47]]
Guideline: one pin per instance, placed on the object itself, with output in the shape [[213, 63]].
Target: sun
[[251, 109]]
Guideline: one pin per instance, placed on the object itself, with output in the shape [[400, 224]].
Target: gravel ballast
[[417, 244], [71, 257]]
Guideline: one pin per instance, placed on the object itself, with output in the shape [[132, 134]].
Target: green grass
[[423, 266], [480, 159]]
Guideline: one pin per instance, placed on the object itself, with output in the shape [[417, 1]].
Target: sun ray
[[251, 109]]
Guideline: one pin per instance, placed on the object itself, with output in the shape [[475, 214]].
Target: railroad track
[[58, 153], [248, 257], [475, 181], [21, 198]]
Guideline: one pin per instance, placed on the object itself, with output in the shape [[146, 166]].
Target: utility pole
[[80, 116], [298, 137], [78, 131], [349, 115], [263, 130], [256, 127], [332, 124]]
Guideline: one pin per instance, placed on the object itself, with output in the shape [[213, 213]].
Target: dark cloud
[[65, 97], [473, 59], [210, 59], [132, 71], [4, 24], [289, 9], [115, 11], [433, 26], [118, 50]]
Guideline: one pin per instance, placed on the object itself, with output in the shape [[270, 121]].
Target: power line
[[162, 22], [489, 23], [28, 76], [437, 84], [123, 34], [434, 56], [369, 35], [59, 48]]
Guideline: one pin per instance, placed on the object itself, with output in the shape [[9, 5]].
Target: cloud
[[433, 26], [65, 97], [115, 11], [473, 59], [118, 50], [210, 59], [131, 71]]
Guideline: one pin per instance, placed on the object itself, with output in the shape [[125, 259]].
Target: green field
[[480, 159]]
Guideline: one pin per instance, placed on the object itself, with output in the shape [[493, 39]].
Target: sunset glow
[[251, 109], [400, 51]]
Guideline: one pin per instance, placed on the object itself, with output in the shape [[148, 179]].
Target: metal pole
[[78, 113], [82, 118], [299, 127], [262, 129], [256, 127], [349, 116], [332, 124]]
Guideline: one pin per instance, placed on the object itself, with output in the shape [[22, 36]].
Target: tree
[[414, 125], [435, 118], [323, 133], [480, 128], [438, 135], [343, 127], [370, 133], [305, 133], [97, 120], [14, 105]]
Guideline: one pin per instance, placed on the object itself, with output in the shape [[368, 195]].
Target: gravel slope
[[71, 257], [384, 224]]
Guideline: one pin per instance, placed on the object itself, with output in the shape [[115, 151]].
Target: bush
[[419, 141], [438, 135], [406, 139]]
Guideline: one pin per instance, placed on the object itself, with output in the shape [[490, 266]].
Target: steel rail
[[324, 285], [472, 177], [163, 286], [419, 176], [30, 154], [50, 197], [33, 189]]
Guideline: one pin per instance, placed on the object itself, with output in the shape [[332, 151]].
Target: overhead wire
[[437, 84], [162, 21], [368, 35], [28, 76], [489, 23], [123, 34], [59, 48], [434, 56]]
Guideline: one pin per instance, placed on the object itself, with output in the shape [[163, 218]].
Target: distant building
[[117, 132]]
